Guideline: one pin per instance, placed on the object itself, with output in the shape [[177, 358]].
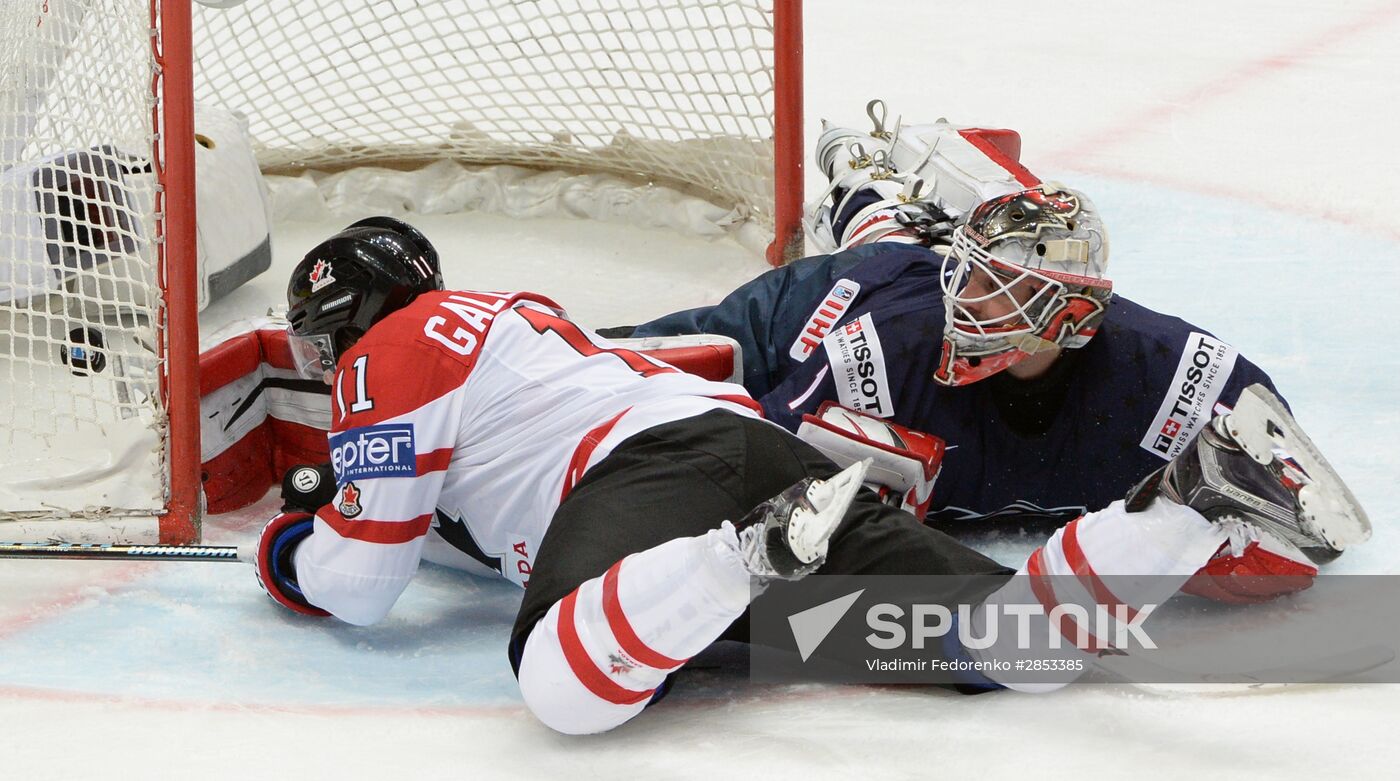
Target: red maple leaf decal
[[319, 270], [350, 495]]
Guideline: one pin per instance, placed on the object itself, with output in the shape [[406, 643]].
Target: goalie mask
[[351, 281], [1025, 273]]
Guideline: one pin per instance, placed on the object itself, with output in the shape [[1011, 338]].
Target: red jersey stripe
[[435, 461], [743, 401], [582, 666], [382, 532], [622, 630], [579, 462]]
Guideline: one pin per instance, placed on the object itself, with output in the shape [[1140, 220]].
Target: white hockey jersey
[[479, 409]]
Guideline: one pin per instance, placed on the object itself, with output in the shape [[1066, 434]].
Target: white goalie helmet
[[1025, 273]]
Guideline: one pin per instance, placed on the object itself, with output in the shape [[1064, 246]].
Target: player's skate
[[1255, 464], [786, 536]]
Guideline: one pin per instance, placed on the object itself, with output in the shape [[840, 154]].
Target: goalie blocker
[[904, 462]]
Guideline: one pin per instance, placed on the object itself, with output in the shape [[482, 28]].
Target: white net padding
[[678, 94], [81, 421]]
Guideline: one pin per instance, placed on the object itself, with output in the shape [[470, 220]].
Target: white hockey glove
[[905, 462]]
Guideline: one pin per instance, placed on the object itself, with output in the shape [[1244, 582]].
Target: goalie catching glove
[[904, 462]]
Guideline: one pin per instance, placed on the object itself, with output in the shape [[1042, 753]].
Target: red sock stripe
[[621, 628], [1045, 593], [583, 668], [1080, 564]]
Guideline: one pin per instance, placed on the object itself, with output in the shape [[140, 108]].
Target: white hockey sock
[[596, 658], [1160, 548]]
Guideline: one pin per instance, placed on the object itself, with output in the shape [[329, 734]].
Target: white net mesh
[[652, 91], [81, 424], [677, 93]]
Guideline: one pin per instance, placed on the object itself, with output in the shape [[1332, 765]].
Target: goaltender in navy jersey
[[473, 414], [863, 328]]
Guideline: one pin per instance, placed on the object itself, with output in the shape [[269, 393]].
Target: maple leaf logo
[[320, 270], [350, 501], [618, 665]]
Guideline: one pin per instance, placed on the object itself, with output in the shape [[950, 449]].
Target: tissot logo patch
[[858, 368], [834, 304], [1200, 376], [385, 450]]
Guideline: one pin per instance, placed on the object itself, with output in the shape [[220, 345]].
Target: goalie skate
[[1255, 465], [786, 536], [857, 171], [1327, 510]]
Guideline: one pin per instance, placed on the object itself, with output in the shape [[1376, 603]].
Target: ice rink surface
[[1241, 154]]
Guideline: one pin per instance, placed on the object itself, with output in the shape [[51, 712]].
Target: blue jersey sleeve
[[802, 391], [761, 315]]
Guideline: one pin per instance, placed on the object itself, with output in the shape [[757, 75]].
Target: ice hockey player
[[1002, 336], [636, 501]]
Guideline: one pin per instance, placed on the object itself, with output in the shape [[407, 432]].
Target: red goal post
[[99, 386], [99, 416]]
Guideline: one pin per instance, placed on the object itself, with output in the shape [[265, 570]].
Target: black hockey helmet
[[351, 281], [410, 234]]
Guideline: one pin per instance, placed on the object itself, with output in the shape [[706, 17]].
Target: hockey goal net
[[702, 96], [98, 412]]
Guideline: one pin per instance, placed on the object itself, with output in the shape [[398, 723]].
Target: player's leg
[[640, 571], [1167, 542], [1253, 469]]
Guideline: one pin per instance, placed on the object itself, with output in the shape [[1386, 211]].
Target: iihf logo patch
[[834, 304], [320, 275], [350, 501]]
